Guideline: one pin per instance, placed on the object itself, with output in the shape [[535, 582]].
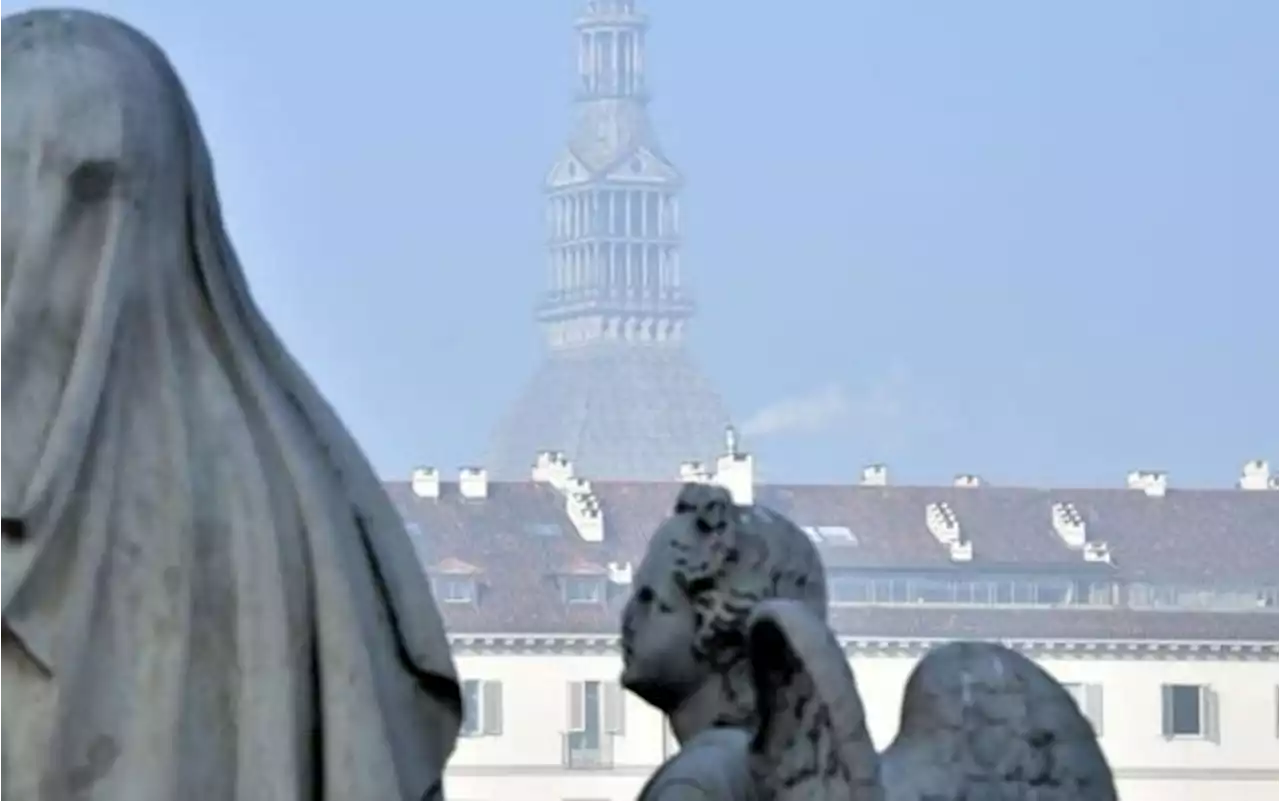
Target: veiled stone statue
[[729, 591], [206, 592]]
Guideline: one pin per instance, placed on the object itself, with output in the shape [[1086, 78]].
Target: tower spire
[[611, 50], [613, 217], [617, 391]]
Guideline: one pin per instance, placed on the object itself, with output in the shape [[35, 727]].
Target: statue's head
[[94, 126], [705, 570]]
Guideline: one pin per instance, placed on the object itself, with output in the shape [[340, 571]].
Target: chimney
[[968, 480], [1097, 552], [1069, 524], [876, 475], [583, 509], [694, 473], [473, 483], [942, 522], [1255, 475], [620, 572], [426, 482], [1153, 482], [736, 471], [554, 468]]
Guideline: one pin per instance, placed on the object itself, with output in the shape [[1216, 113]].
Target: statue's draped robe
[[212, 597]]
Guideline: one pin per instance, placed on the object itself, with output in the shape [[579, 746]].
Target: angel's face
[[660, 628]]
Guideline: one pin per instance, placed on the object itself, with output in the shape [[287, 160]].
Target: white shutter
[[615, 708], [577, 713], [1209, 705], [492, 707], [1093, 706], [1166, 710], [1275, 708]]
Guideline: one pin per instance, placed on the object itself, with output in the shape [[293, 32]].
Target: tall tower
[[617, 391]]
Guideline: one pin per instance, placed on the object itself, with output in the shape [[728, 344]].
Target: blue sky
[[1031, 240]]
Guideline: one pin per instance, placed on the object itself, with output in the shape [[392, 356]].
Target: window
[[481, 708], [945, 588], [584, 589], [1088, 698], [850, 590], [596, 714], [455, 590], [543, 529], [1189, 710], [618, 204]]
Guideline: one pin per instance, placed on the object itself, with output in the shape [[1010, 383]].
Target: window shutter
[[615, 708], [1275, 707], [1209, 703], [1093, 707], [577, 713], [470, 697], [492, 707], [1166, 710]]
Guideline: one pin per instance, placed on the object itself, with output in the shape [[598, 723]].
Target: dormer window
[[456, 590], [584, 589]]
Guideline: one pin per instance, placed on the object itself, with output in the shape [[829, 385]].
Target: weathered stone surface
[[980, 723], [206, 592], [726, 634], [684, 631]]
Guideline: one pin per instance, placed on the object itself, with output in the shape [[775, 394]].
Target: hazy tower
[[617, 392]]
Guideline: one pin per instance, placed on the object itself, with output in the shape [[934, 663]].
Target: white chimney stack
[[694, 473], [426, 482], [876, 475], [1153, 482], [473, 483], [736, 471], [620, 572], [1255, 475], [554, 468], [1069, 524], [942, 522]]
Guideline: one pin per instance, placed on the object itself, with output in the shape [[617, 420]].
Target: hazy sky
[[1031, 240]]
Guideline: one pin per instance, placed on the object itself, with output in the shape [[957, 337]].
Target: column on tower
[[572, 229]]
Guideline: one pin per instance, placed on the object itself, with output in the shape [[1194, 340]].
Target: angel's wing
[[981, 722], [812, 743]]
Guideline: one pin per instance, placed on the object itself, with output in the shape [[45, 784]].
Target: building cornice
[[584, 644], [516, 771]]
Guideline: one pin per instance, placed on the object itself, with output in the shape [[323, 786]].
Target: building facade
[[1155, 605], [617, 386]]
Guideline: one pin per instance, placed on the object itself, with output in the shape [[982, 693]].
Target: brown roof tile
[[522, 539]]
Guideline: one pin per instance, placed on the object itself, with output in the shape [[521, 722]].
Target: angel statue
[[726, 635], [684, 631], [206, 592], [980, 722]]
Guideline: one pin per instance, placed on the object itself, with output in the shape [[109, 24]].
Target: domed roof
[[617, 411]]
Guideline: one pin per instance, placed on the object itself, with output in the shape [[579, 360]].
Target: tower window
[[618, 200], [635, 205]]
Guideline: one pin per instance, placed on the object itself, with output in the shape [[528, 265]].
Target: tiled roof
[[522, 540]]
